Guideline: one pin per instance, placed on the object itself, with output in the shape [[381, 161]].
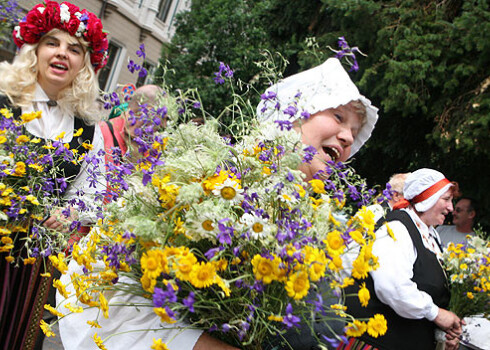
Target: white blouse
[[54, 121], [130, 327], [392, 280]]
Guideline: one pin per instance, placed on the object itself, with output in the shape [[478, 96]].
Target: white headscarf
[[317, 89], [420, 181]]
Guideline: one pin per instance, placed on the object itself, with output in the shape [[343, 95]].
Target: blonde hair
[[19, 79], [397, 182], [360, 109]]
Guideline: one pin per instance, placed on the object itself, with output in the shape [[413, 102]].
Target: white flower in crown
[[229, 190], [65, 13], [41, 9], [17, 33], [81, 29], [78, 14]]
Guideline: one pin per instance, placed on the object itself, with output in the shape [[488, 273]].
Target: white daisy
[[257, 226], [229, 190]]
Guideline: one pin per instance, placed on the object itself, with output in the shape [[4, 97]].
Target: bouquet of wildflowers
[[29, 191], [229, 238], [468, 268], [10, 14]]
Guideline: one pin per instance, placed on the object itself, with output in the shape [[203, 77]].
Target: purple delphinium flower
[[132, 66], [319, 304], [334, 342], [225, 232], [284, 124], [269, 95], [290, 110], [141, 51], [143, 72], [289, 319], [189, 302], [305, 115], [224, 72], [310, 152], [348, 52], [212, 252], [10, 13], [158, 297]]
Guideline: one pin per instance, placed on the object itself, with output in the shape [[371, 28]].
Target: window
[[106, 74], [164, 9], [148, 79]]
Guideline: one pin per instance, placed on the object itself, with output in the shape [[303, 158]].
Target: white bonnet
[[317, 89], [420, 181]]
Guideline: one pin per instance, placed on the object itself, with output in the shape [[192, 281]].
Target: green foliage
[[427, 70]]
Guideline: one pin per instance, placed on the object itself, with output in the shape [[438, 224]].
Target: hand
[[452, 344], [449, 322], [206, 342], [59, 222]]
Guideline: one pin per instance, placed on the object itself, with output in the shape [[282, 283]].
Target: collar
[[40, 95]]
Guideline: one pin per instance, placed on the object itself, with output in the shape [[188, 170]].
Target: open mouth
[[332, 152], [59, 66]]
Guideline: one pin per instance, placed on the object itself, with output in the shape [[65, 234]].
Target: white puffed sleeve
[[128, 327], [392, 280]]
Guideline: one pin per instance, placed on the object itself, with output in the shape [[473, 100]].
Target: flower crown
[[68, 17]]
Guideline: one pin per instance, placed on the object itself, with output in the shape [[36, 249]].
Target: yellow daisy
[[298, 285], [377, 326], [46, 328], [98, 341], [363, 295], [202, 275], [264, 268], [158, 345], [164, 316], [355, 329]]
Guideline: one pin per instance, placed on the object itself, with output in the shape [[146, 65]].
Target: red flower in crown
[[52, 15], [73, 24], [65, 16]]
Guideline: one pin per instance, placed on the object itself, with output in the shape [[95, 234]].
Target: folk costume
[[410, 285], [24, 291]]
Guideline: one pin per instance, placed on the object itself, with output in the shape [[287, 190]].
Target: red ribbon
[[403, 203]]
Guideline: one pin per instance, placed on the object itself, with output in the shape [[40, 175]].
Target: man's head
[[397, 181], [464, 214], [144, 95]]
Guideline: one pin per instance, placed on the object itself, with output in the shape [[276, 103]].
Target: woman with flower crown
[[61, 48]]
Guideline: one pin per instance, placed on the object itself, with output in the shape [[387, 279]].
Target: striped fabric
[[355, 344]]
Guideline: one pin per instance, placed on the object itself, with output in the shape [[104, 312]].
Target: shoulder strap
[[88, 130], [111, 128], [405, 219]]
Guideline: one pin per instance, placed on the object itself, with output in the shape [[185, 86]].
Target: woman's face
[[60, 57], [436, 215], [332, 133]]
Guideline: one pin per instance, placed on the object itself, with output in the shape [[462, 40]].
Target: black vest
[[65, 168], [404, 333]]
